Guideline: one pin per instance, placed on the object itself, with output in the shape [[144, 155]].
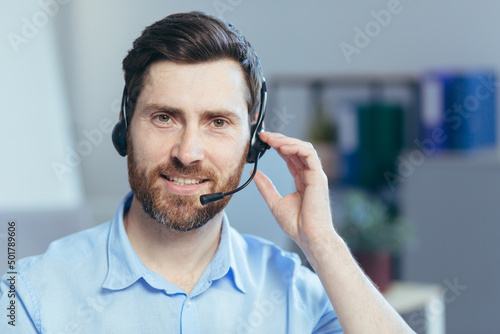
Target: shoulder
[[262, 254], [266, 251], [51, 276], [281, 273], [66, 253]]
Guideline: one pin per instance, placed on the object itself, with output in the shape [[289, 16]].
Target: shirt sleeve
[[328, 324], [16, 307], [314, 300]]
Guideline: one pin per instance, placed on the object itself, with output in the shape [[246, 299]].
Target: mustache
[[177, 167]]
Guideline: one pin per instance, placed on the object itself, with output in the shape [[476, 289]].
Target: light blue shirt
[[94, 282]]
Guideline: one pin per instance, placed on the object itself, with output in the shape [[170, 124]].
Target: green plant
[[322, 129], [369, 226]]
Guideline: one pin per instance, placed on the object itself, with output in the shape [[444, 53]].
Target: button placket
[[189, 317]]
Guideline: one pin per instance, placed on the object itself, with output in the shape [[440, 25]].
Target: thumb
[[266, 189]]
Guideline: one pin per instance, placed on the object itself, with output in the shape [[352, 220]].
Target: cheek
[[229, 157], [148, 152]]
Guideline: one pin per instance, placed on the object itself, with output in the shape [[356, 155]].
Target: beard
[[181, 213]]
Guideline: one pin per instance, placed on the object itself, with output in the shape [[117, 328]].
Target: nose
[[188, 148]]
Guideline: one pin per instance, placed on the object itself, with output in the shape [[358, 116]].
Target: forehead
[[203, 86]]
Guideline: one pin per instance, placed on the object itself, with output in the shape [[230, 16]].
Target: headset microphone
[[210, 198], [256, 149]]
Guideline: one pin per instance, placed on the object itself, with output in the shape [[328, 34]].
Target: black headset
[[119, 135], [256, 149]]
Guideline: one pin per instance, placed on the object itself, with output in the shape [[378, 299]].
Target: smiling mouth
[[183, 181]]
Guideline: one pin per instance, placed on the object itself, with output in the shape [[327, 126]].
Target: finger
[[300, 153], [276, 140], [298, 161], [303, 155], [267, 189], [291, 160], [279, 141], [311, 171], [292, 167], [296, 173]]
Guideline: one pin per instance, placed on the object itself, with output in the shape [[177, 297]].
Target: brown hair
[[190, 38]]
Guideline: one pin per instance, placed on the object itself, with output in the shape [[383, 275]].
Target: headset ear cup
[[119, 137], [252, 149], [257, 146], [253, 129]]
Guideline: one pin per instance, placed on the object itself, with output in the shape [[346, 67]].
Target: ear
[[255, 117]]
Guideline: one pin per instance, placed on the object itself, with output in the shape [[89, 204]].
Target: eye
[[163, 118], [219, 123]]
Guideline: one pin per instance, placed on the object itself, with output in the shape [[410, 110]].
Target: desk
[[408, 297]]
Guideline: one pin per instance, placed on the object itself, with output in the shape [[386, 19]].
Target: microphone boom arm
[[211, 198]]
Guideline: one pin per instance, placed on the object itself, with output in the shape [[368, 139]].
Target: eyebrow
[[221, 112], [159, 107]]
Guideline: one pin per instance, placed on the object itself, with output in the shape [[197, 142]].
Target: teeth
[[184, 181]]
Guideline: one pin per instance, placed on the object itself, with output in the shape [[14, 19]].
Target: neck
[[180, 257]]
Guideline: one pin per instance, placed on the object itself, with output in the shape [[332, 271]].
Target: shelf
[[346, 79], [408, 297]]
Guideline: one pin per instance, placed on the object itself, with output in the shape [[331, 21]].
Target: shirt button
[[188, 303]]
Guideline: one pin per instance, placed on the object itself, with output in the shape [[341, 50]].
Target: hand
[[304, 215]]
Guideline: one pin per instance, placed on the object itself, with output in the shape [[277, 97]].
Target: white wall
[[41, 187], [36, 171]]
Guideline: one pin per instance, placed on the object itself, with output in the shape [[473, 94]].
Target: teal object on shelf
[[380, 143]]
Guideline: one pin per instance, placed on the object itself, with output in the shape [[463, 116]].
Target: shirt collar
[[123, 263], [225, 261], [125, 266]]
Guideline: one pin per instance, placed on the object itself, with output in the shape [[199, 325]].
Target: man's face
[[188, 136]]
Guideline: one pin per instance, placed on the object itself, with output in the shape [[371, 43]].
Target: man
[[168, 264]]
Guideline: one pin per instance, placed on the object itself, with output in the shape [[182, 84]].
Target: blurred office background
[[392, 79]]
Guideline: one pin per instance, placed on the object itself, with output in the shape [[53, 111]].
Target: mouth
[[184, 181]]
